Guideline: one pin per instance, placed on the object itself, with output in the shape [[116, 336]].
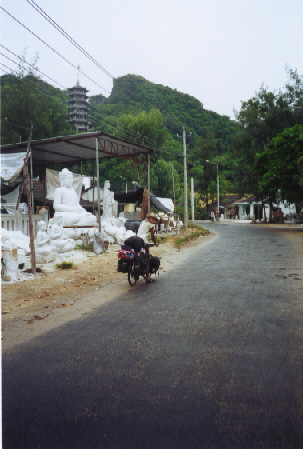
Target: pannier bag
[[123, 265], [142, 261], [124, 257], [154, 264]]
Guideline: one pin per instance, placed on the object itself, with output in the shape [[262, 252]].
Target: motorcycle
[[135, 263]]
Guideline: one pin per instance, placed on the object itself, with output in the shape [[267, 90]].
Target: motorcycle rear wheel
[[130, 275]]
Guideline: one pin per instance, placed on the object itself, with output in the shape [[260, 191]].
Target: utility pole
[[185, 178], [185, 181], [173, 177], [148, 182], [192, 201]]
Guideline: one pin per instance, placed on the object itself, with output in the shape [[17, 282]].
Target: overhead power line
[[55, 51], [124, 132], [78, 46], [34, 67], [53, 23], [67, 36]]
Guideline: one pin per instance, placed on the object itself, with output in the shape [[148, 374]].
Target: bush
[[65, 265], [201, 214], [88, 247]]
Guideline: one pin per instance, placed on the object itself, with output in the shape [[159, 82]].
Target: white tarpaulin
[[11, 166], [53, 182], [10, 202], [167, 202]]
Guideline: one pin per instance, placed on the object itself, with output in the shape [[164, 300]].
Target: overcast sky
[[219, 51]]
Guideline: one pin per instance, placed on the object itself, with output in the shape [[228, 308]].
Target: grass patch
[[191, 233], [194, 226], [65, 265], [84, 247], [161, 239]]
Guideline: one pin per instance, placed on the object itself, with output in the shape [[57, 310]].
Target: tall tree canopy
[[280, 167], [27, 100], [261, 118]]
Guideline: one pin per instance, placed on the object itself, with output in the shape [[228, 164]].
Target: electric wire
[[73, 42], [34, 67], [125, 133], [150, 142], [55, 51], [67, 36], [70, 39]]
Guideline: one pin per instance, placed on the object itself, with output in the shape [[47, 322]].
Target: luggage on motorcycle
[[135, 243], [123, 265], [126, 254], [154, 264], [142, 261]]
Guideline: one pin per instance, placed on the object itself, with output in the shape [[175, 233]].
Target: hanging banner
[[53, 182]]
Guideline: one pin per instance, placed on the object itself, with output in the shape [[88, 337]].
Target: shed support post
[[148, 181], [29, 203], [98, 184], [32, 182]]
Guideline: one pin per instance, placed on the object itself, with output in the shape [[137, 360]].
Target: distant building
[[78, 108]]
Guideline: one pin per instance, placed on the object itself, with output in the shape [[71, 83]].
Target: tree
[[27, 100], [205, 149], [165, 179], [261, 118], [280, 167], [144, 128]]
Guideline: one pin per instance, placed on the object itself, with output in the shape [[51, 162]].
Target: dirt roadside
[[55, 296]]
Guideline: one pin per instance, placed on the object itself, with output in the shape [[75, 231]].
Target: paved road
[[209, 356]]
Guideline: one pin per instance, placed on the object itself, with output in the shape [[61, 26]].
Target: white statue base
[[9, 265], [75, 232], [45, 258], [76, 219]]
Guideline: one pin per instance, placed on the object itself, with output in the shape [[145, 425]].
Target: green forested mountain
[[132, 93], [144, 108]]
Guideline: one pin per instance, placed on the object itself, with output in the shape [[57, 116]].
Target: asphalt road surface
[[208, 356]]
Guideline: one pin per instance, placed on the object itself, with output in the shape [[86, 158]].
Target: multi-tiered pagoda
[[78, 108]]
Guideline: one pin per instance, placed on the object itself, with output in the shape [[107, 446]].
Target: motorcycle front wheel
[[131, 277]]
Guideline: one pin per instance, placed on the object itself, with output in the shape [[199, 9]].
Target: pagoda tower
[[78, 108]]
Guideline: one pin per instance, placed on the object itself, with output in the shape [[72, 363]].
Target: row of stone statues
[[52, 239], [71, 220]]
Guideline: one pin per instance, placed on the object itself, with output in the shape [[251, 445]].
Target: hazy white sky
[[219, 51]]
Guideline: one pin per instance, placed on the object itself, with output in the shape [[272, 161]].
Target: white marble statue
[[108, 202], [66, 203], [43, 246], [59, 241]]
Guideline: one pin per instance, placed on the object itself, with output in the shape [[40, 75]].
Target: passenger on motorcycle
[[146, 228]]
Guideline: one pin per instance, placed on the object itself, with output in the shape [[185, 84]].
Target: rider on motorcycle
[[140, 241], [146, 228]]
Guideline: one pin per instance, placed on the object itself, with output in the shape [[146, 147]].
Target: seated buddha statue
[[66, 203]]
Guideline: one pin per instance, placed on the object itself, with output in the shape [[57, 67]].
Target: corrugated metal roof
[[76, 147]]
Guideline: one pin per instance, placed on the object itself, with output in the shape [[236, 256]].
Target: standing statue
[[66, 203], [108, 201]]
